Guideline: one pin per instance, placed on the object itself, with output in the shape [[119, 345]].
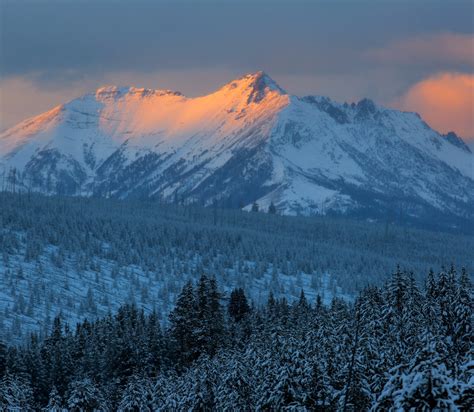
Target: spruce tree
[[184, 326], [55, 402], [427, 385], [463, 318], [83, 395], [3, 359], [15, 394], [238, 305], [137, 396], [234, 389]]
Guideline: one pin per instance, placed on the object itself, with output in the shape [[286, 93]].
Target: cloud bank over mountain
[[446, 102]]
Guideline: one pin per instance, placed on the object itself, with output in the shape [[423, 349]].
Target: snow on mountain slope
[[248, 141]]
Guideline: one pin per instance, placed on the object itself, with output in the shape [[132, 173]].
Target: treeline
[[145, 233], [397, 347], [84, 257]]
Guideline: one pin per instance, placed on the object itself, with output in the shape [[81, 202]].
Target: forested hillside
[[85, 257], [397, 347]]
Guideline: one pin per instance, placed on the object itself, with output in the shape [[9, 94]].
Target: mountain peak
[[260, 78], [256, 84]]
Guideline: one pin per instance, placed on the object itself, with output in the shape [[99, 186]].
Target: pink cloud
[[445, 101], [436, 48], [21, 98]]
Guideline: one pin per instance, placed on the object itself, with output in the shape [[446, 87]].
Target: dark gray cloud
[[291, 37], [54, 50]]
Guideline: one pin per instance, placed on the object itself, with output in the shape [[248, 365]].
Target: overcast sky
[[414, 55]]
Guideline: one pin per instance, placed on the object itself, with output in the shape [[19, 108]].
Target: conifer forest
[[111, 305]]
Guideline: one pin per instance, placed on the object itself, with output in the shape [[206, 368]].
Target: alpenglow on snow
[[247, 142]]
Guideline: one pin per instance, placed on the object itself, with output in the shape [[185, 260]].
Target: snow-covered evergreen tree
[[234, 389], [183, 325], [55, 402], [83, 395], [465, 389], [137, 396], [287, 355], [426, 384], [15, 394]]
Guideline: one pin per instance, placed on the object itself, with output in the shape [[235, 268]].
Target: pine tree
[[55, 403], [396, 316], [137, 396], [210, 322], [463, 317], [234, 389], [425, 385], [288, 388], [446, 291], [216, 320], [3, 359], [201, 389], [238, 305], [465, 389], [155, 344], [163, 388], [355, 395], [266, 369], [55, 357], [119, 356], [430, 304], [15, 394], [373, 339], [387, 397], [83, 395], [183, 326], [320, 393], [301, 310]]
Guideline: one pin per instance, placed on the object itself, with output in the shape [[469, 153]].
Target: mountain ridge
[[249, 141]]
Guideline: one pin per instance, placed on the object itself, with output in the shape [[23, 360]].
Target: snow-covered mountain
[[248, 141]]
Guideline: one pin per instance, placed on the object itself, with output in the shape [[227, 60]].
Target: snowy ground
[[33, 293]]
